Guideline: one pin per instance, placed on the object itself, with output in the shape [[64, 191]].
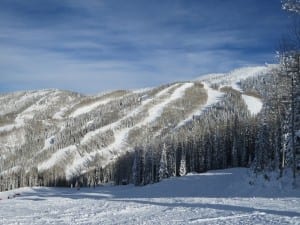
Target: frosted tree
[[182, 169], [137, 167], [163, 167], [262, 148], [291, 5], [290, 64]]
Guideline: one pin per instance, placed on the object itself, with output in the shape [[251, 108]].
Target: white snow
[[154, 111], [11, 170], [142, 90], [59, 114], [19, 122], [217, 197], [233, 78], [59, 155], [88, 108], [88, 136], [36, 102], [9, 127], [213, 97], [166, 90], [49, 142], [254, 104], [120, 135], [157, 110]]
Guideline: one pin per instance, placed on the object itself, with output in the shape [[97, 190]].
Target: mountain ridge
[[73, 133]]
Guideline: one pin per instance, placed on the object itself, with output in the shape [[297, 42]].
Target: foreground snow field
[[215, 197]]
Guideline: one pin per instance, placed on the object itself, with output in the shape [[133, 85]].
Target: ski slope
[[87, 108], [233, 79], [213, 96], [254, 104], [120, 135], [215, 197]]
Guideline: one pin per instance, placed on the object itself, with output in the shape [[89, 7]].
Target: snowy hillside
[[55, 135], [215, 197]]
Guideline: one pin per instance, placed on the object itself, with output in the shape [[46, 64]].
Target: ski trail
[[121, 135], [213, 97], [157, 110], [117, 123], [254, 104], [59, 155], [87, 108]]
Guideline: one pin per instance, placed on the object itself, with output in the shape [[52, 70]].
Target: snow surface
[[213, 97], [9, 127], [157, 110], [254, 104], [59, 155], [88, 108], [59, 115], [215, 197], [120, 135], [154, 111], [233, 79]]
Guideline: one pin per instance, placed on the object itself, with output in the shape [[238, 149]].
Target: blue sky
[[96, 45]]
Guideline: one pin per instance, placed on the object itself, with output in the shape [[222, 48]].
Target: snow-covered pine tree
[[291, 5], [290, 63], [182, 169], [163, 167], [262, 146], [136, 168]]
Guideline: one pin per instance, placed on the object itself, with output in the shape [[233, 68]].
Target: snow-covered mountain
[[61, 134]]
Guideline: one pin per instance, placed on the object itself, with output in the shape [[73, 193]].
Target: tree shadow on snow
[[243, 209], [210, 185]]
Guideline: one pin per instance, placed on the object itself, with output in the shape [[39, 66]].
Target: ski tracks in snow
[[219, 197]]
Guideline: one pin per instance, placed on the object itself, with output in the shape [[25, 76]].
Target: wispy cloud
[[91, 46]]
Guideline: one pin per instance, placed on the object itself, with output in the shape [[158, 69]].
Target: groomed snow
[[213, 97], [216, 197], [233, 78], [120, 135], [154, 111], [88, 108], [230, 79], [157, 110], [254, 104], [59, 155]]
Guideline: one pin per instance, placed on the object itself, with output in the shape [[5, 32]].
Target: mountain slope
[[59, 134]]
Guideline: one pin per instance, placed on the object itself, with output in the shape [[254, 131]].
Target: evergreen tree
[[182, 169], [163, 167]]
